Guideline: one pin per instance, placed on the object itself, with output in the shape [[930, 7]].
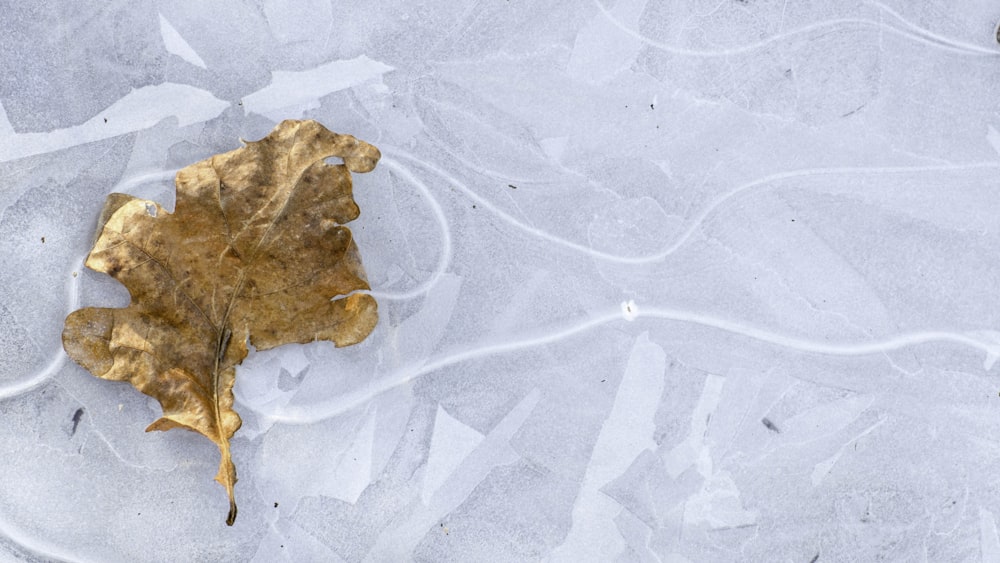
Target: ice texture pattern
[[675, 281]]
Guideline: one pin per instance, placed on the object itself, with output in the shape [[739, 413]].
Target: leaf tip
[[232, 513]]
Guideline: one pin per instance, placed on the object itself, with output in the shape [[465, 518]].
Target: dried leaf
[[255, 250]]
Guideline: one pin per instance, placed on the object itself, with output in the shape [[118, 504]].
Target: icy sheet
[[657, 281]]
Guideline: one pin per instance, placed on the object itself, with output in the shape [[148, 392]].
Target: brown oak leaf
[[255, 251]]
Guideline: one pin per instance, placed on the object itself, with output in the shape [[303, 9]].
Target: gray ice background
[[659, 281]]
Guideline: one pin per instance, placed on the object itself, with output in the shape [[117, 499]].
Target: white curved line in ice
[[32, 545], [918, 34], [446, 244], [889, 344], [343, 403], [58, 356], [25, 385], [695, 223], [929, 37]]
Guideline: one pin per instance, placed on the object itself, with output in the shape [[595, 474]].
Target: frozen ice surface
[[658, 281]]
